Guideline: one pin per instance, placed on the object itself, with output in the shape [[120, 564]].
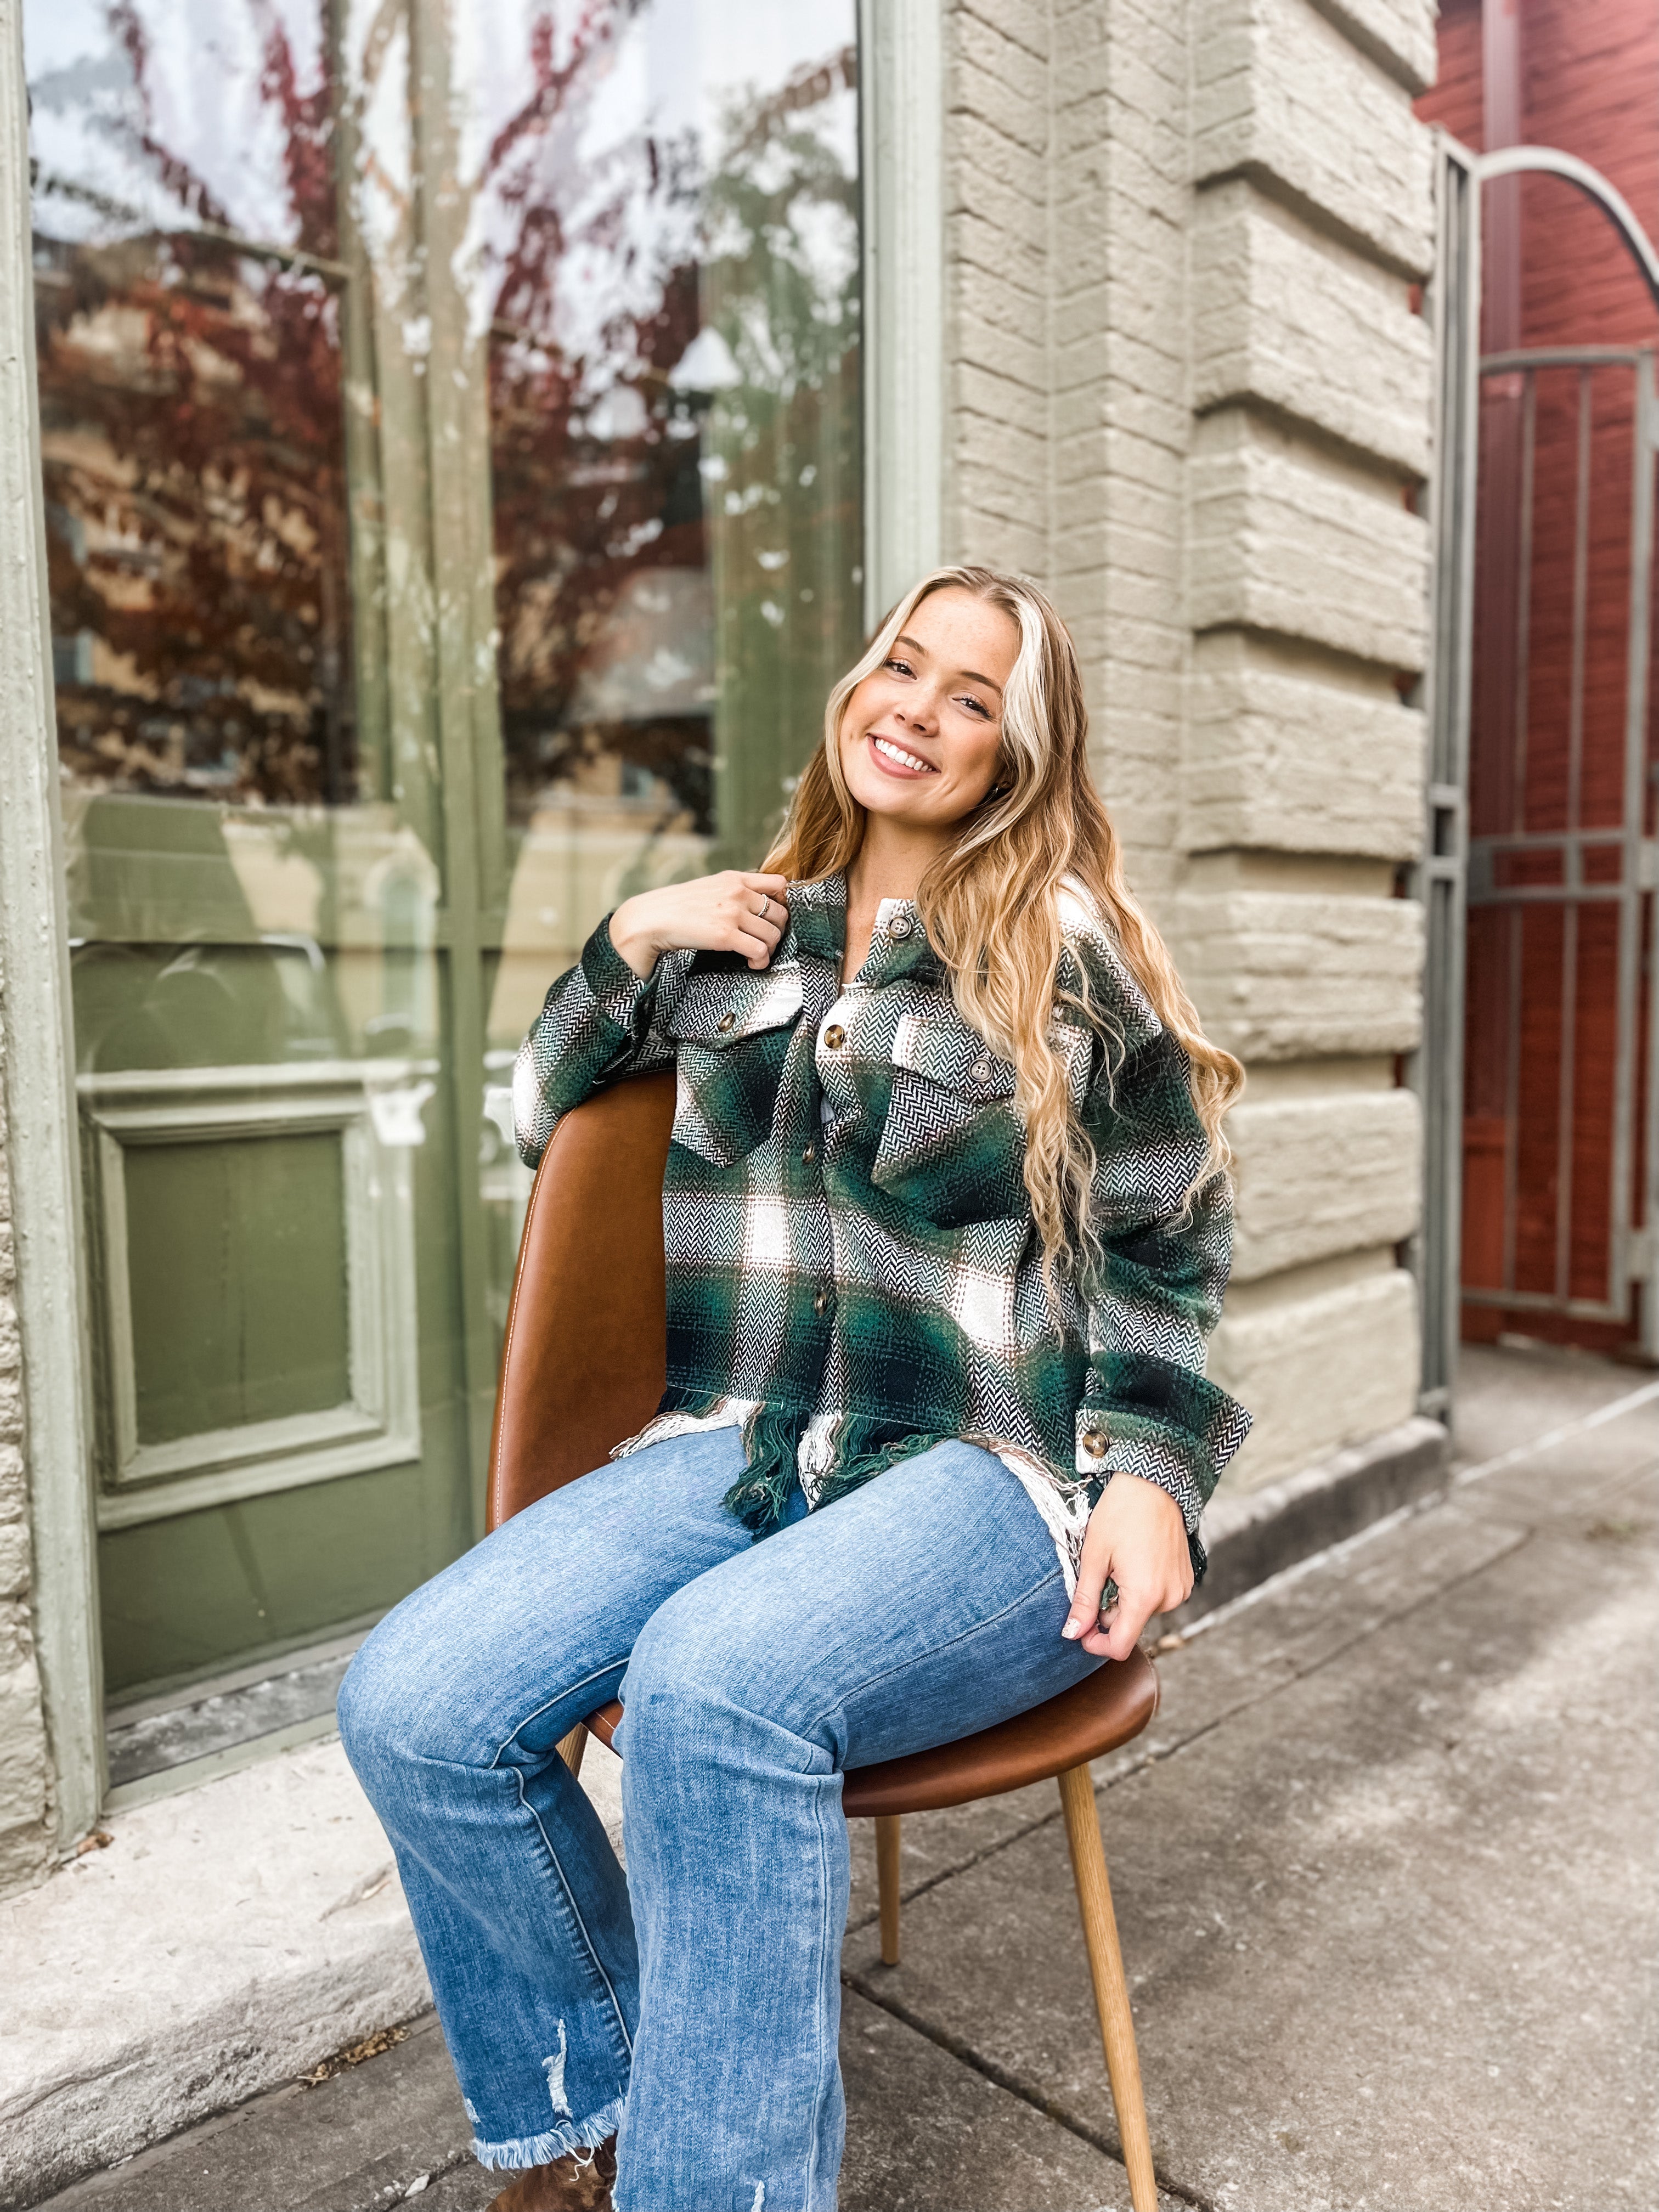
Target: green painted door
[[451, 435]]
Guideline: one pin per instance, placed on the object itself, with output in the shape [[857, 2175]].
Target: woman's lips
[[888, 766]]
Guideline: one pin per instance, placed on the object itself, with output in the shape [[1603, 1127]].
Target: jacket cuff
[[1106, 1447], [618, 993]]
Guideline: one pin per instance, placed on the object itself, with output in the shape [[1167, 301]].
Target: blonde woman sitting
[[947, 1226]]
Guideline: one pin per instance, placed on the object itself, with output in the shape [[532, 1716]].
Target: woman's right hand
[[732, 912]]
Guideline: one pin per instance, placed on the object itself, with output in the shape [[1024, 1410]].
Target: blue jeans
[[695, 2003]]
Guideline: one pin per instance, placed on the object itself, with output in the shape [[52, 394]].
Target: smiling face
[[921, 736]]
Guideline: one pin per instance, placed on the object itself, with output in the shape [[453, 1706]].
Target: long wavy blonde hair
[[991, 904]]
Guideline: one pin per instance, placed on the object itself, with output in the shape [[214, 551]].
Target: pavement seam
[[380, 2201], [88, 2188], [1017, 2085], [1580, 1426]]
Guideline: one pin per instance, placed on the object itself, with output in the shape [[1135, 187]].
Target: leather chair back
[[584, 1362]]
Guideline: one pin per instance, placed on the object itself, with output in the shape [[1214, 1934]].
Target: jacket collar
[[818, 921], [817, 917]]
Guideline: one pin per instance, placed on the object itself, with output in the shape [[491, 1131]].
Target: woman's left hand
[[1137, 1536]]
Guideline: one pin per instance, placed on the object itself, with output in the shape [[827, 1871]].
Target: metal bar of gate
[[1538, 840], [1523, 598], [1514, 936], [1567, 1073], [1626, 1262], [1515, 950], [1435, 1069], [1551, 894], [1647, 855], [1523, 358]]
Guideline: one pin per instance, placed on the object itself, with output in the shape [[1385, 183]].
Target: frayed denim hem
[[555, 2143]]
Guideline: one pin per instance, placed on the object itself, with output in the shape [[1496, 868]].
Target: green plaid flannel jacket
[[853, 1272]]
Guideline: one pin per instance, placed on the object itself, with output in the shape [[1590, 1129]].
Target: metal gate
[[1539, 1069], [1560, 865]]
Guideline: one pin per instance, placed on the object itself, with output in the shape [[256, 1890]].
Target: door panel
[[236, 1281], [255, 1245]]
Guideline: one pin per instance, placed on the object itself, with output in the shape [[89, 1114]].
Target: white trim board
[[34, 1008], [901, 125]]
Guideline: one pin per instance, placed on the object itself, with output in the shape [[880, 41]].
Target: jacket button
[[900, 926], [726, 1022], [835, 1036], [821, 1303], [1094, 1442], [810, 1154], [982, 1070]]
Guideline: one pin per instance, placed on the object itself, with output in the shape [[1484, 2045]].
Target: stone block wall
[[26, 1831], [1186, 389]]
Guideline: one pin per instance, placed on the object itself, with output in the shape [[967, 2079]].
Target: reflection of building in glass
[[653, 661], [664, 254]]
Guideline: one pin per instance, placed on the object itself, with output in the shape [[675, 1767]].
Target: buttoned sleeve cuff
[[595, 1026], [1103, 1450], [621, 996], [1166, 1423]]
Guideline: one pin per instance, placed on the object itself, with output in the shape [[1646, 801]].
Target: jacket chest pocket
[[952, 1145], [731, 1033]]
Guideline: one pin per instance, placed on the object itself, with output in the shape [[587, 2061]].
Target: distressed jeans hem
[[518, 2152]]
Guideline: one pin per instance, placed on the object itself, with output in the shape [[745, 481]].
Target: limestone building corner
[[1188, 387]]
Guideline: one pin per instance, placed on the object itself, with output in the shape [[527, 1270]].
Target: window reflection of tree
[[192, 436], [713, 428], [191, 400]]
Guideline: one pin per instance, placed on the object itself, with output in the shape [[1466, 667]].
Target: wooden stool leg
[[572, 1747], [887, 1883], [1117, 2029]]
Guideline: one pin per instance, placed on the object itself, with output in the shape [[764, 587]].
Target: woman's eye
[[978, 706], [900, 667]]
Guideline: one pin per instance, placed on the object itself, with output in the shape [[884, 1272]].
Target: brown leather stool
[[583, 1367]]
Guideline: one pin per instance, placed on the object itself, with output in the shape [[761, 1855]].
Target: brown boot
[[580, 2181]]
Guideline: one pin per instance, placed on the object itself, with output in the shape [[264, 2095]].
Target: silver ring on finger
[[765, 906], [1109, 1602]]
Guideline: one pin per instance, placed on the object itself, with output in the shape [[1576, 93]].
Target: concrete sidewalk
[[1385, 1873]]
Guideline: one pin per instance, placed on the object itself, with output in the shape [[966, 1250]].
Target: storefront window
[[451, 443]]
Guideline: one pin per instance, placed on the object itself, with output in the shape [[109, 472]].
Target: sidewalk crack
[[1017, 2085]]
